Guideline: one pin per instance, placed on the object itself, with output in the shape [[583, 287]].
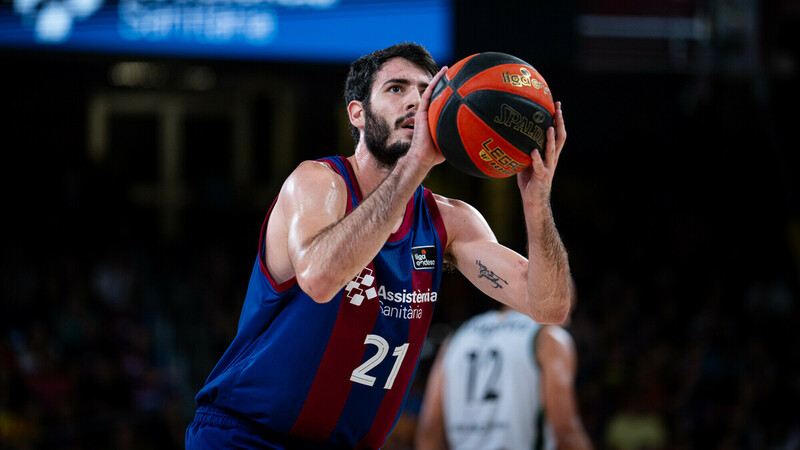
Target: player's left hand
[[537, 180], [422, 142]]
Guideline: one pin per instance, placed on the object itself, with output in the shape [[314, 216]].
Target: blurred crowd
[[86, 361], [658, 371]]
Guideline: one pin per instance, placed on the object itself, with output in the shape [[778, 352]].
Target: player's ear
[[355, 111]]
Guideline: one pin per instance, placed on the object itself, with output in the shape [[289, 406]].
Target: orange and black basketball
[[489, 112]]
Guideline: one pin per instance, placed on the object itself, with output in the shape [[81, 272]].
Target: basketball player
[[349, 263], [503, 381]]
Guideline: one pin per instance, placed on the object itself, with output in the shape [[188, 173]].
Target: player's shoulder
[[451, 203], [313, 167], [311, 175], [458, 213]]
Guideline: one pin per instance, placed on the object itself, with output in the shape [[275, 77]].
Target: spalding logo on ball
[[488, 112]]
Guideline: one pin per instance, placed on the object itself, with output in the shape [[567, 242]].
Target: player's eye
[[396, 89]]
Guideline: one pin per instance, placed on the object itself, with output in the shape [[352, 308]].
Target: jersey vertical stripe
[[438, 223], [326, 399], [391, 407]]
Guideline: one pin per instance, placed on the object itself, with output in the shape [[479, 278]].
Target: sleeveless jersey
[[337, 373], [492, 390]]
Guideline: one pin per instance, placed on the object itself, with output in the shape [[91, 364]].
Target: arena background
[[134, 189]]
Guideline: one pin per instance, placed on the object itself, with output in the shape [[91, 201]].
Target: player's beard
[[377, 133]]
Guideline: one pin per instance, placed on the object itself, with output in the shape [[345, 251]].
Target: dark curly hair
[[363, 70]]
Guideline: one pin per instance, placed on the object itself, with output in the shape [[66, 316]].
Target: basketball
[[489, 112]]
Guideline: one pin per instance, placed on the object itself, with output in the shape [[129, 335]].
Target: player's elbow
[[319, 285], [553, 311], [550, 317]]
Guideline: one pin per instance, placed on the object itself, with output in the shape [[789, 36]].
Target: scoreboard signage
[[287, 30]]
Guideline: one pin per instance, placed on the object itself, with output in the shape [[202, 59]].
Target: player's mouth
[[407, 123]]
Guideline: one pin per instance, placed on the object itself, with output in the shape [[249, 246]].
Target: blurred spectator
[[636, 426]]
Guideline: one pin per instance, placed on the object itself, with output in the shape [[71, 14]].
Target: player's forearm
[[548, 267], [338, 253]]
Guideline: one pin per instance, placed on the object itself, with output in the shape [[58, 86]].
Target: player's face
[[389, 114], [377, 133]]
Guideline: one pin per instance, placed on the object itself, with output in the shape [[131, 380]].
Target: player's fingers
[[524, 177], [426, 96], [538, 164], [561, 129], [550, 148]]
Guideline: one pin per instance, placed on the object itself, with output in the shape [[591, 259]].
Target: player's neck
[[369, 172]]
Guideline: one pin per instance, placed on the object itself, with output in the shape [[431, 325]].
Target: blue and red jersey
[[338, 372]]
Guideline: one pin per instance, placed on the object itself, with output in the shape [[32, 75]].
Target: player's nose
[[413, 99]]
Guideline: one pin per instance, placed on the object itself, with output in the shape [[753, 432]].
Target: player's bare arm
[[549, 265], [500, 272], [472, 248], [312, 199], [558, 359], [310, 237]]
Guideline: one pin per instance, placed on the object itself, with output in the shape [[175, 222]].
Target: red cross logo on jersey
[[360, 287]]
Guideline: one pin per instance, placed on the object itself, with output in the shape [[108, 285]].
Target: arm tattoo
[[489, 275]]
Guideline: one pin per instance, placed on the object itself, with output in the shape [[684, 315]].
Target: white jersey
[[493, 387]]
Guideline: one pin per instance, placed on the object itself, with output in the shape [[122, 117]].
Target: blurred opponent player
[[503, 381]]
